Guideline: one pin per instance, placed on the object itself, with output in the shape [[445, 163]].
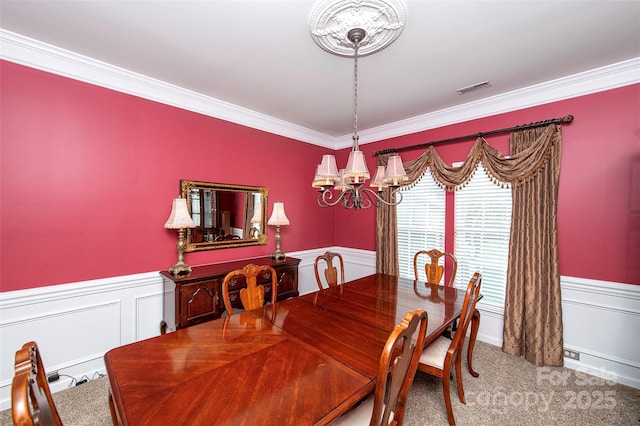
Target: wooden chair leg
[[447, 399], [475, 325], [459, 378]]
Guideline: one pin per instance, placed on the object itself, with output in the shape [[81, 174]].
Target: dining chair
[[330, 271], [31, 401], [439, 356], [251, 297], [396, 370], [433, 270]]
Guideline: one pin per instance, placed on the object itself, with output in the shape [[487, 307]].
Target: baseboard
[[75, 324]]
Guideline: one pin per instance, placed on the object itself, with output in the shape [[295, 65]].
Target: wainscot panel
[[75, 324], [601, 322]]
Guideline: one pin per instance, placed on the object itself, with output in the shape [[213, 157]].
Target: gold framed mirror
[[225, 215]]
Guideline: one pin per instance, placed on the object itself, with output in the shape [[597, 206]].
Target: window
[[482, 228], [195, 207], [421, 221]]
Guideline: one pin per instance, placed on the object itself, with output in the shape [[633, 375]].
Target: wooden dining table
[[301, 361]]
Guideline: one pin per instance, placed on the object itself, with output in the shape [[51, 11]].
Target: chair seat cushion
[[359, 415], [435, 353]]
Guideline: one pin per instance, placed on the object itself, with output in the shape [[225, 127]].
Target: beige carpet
[[509, 391]]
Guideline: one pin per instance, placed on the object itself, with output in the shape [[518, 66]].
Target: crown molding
[[596, 80], [35, 54]]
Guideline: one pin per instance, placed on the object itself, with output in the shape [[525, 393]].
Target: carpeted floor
[[509, 391], [512, 391]]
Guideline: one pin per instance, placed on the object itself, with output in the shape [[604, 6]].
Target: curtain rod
[[567, 119]]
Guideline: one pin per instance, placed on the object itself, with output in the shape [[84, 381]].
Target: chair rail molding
[[75, 324]]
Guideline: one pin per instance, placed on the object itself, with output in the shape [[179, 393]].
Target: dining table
[[301, 361]]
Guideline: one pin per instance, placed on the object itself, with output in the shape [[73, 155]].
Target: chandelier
[[330, 21]]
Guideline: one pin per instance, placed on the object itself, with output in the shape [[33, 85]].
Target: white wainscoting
[[76, 324], [602, 322], [357, 263]]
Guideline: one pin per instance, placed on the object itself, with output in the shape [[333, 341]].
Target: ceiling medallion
[[382, 20]]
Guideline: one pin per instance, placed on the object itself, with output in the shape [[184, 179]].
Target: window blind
[[421, 222], [482, 229]]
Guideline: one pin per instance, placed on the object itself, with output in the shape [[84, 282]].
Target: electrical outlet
[[53, 376], [568, 353]]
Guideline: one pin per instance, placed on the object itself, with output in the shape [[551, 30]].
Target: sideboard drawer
[[198, 302]]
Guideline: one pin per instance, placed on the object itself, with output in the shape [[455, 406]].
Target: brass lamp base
[[180, 268], [278, 255]]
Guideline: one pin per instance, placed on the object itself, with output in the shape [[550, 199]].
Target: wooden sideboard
[[196, 297]]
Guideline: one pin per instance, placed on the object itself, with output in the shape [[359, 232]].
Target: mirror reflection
[[225, 215]]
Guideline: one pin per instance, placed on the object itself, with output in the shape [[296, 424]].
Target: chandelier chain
[[355, 96]]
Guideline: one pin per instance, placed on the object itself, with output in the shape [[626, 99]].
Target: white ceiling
[[259, 54]]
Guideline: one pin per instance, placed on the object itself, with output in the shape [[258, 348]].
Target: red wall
[[88, 174], [598, 207]]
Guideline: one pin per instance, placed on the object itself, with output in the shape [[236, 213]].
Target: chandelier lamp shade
[[385, 19]]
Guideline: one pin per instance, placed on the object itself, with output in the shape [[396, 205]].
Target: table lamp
[[256, 220], [277, 219], [180, 219]]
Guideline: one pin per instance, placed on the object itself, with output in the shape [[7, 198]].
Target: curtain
[[387, 219], [533, 277], [248, 215], [533, 310]]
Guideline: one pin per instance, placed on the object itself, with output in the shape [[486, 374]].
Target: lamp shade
[[356, 167], [278, 217], [328, 168], [319, 181], [179, 217], [378, 179], [257, 215], [395, 171]]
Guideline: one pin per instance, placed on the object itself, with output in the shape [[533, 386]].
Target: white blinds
[[421, 222], [482, 228]]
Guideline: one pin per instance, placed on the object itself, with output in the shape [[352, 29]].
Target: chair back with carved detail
[[330, 271], [433, 270], [31, 401], [442, 354], [396, 370], [251, 297]]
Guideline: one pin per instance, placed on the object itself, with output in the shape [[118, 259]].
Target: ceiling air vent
[[474, 87]]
